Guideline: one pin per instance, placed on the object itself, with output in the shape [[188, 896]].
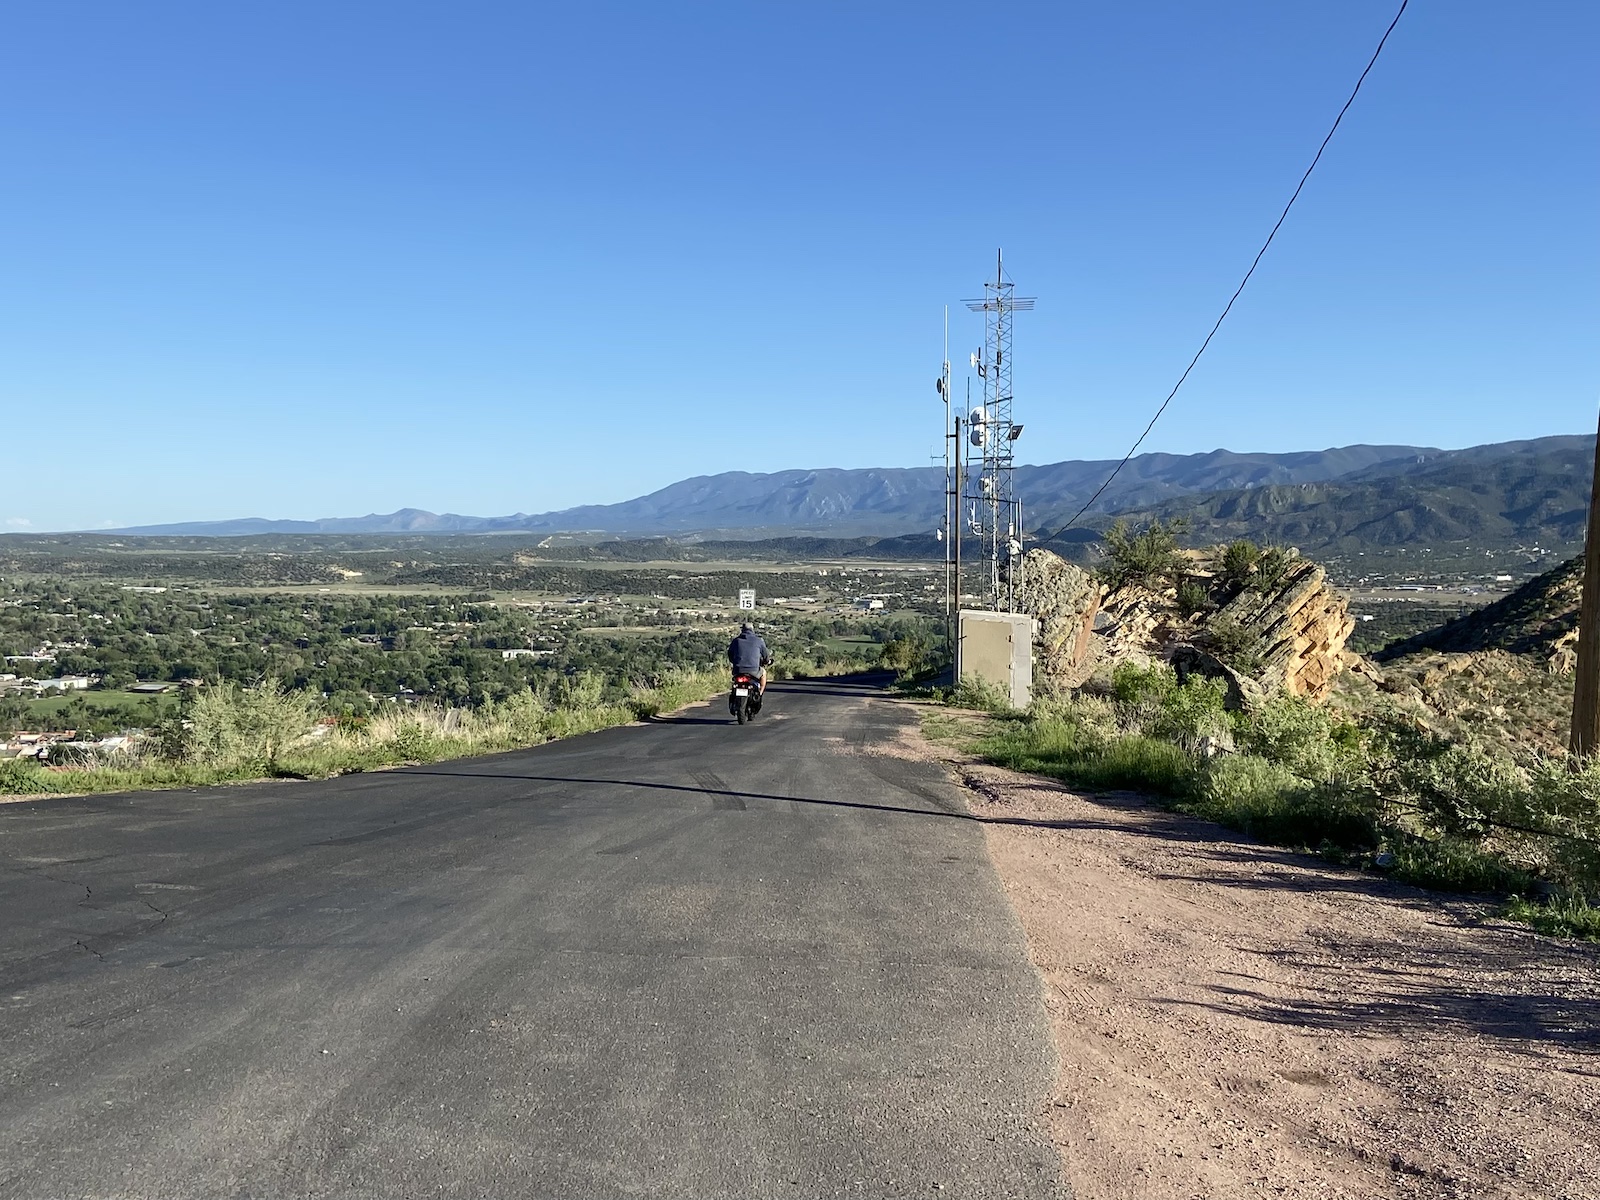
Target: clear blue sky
[[299, 260]]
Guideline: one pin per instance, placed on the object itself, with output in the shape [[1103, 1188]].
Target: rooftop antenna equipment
[[998, 508]]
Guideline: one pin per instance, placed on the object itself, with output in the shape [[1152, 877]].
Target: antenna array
[[990, 503]]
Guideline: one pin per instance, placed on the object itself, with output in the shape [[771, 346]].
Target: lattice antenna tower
[[993, 430]]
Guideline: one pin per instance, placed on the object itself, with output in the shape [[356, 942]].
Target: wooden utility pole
[[1586, 695]]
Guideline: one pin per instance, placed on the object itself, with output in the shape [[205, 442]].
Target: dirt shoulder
[[1237, 1020]]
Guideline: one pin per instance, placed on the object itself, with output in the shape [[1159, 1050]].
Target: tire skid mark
[[723, 798]]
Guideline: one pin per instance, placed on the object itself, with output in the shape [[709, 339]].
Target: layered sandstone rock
[[1289, 637], [1293, 638]]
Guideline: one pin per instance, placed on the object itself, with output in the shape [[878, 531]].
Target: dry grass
[[236, 736]]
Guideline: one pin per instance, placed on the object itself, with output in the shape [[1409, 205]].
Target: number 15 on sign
[[747, 598]]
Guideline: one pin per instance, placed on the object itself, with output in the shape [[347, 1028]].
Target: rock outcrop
[[1288, 636], [1062, 599], [1291, 638]]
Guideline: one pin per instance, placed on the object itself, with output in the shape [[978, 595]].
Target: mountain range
[[836, 500], [1385, 495]]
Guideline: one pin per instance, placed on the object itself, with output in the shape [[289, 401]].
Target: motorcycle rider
[[749, 655]]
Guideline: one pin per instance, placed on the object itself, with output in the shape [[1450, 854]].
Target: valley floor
[[1237, 1020]]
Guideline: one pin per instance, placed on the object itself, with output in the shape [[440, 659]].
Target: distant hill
[[405, 520], [1488, 496], [1501, 674], [834, 502], [1532, 620]]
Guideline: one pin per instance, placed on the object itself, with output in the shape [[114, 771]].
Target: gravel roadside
[[1236, 1020]]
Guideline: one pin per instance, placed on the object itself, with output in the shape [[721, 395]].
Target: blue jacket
[[748, 653]]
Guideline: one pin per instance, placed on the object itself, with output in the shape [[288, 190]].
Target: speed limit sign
[[747, 598]]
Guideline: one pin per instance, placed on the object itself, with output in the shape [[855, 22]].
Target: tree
[[1235, 565], [13, 713], [1149, 557]]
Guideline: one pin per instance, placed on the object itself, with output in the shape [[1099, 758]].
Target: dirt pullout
[[1236, 1020]]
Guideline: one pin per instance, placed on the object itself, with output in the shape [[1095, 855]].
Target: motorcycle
[[744, 700]]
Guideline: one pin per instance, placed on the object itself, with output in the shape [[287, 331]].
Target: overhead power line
[[1354, 92]]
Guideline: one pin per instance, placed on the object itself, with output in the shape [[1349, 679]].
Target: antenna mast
[[952, 493], [993, 432]]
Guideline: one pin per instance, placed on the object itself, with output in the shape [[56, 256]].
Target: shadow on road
[[692, 789]]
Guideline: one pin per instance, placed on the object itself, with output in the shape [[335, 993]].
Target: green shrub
[[1235, 565], [22, 777], [906, 655], [1271, 568], [1139, 694], [522, 714], [1233, 643], [1193, 597], [1564, 918], [1452, 788], [1043, 744], [1139, 687], [1193, 710], [224, 725], [1563, 798], [1455, 865], [1268, 801], [981, 695], [1140, 764], [583, 690], [1093, 717], [1151, 701], [1237, 785], [1313, 742], [1149, 557], [1078, 753], [411, 742]]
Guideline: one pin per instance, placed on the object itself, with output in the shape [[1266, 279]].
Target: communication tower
[[991, 500]]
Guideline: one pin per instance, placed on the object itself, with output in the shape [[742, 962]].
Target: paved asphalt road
[[682, 960]]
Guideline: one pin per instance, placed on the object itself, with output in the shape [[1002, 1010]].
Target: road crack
[[87, 890]]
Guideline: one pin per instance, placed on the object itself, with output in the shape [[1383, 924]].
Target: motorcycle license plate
[[741, 691]]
